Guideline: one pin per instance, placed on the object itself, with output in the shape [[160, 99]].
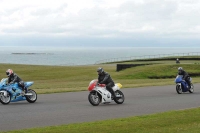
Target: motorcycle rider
[[13, 77], [186, 76], [105, 78]]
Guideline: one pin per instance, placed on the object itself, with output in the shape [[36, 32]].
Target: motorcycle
[[182, 85], [13, 93], [99, 94]]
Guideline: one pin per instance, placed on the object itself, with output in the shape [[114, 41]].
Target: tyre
[[5, 99], [32, 96], [94, 98], [179, 89], [119, 99], [191, 90]]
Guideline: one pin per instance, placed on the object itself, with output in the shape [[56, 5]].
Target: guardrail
[[147, 57]]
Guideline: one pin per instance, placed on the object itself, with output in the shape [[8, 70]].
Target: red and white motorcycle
[[99, 93]]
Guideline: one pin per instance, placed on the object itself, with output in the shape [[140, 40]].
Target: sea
[[74, 56]]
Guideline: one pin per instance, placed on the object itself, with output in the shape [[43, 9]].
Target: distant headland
[[32, 53]]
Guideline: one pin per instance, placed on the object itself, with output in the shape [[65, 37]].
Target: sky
[[100, 23]]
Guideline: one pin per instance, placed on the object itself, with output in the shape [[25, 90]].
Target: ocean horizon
[[67, 56]]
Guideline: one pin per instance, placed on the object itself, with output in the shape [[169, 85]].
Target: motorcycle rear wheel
[[32, 98], [5, 99], [119, 100], [94, 98], [179, 89]]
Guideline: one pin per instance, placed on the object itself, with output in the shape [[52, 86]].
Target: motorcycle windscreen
[[178, 79], [92, 85]]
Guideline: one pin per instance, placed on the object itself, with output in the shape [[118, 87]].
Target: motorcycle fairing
[[106, 95], [15, 92], [183, 84]]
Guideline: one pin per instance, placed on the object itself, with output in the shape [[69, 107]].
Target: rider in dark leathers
[[105, 78], [186, 76], [13, 77]]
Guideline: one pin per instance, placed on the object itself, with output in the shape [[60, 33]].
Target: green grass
[[158, 71], [50, 79], [182, 121], [53, 79]]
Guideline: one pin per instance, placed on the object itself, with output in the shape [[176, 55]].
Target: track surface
[[74, 107]]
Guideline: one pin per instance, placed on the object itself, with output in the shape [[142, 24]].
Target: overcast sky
[[100, 23]]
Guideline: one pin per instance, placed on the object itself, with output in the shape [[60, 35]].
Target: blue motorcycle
[[13, 93], [182, 85]]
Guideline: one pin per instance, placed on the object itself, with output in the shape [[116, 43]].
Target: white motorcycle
[[99, 93]]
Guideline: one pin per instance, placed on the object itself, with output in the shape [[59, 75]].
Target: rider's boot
[[189, 84], [22, 93], [113, 93], [25, 90]]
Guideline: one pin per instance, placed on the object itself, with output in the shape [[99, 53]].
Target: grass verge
[[182, 121]]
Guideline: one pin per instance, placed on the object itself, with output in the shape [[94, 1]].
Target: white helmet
[[180, 69], [9, 72]]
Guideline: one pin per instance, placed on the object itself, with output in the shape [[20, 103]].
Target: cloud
[[101, 18]]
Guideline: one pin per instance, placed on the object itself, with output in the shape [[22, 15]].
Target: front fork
[[179, 84], [96, 95]]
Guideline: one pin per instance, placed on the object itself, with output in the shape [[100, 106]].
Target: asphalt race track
[[74, 107]]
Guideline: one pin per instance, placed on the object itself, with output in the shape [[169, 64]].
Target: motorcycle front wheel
[[5, 99], [31, 96], [191, 90], [94, 98], [179, 89], [119, 99]]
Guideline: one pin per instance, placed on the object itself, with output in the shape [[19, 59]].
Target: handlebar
[[101, 85]]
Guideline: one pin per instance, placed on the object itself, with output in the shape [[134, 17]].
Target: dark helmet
[[9, 72], [100, 70]]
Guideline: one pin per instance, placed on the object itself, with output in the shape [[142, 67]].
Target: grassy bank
[[182, 121], [53, 79]]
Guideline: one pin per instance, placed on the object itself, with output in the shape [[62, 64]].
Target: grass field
[[182, 121], [53, 79]]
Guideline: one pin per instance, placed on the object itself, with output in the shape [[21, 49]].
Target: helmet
[[9, 72], [100, 70], [180, 69]]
